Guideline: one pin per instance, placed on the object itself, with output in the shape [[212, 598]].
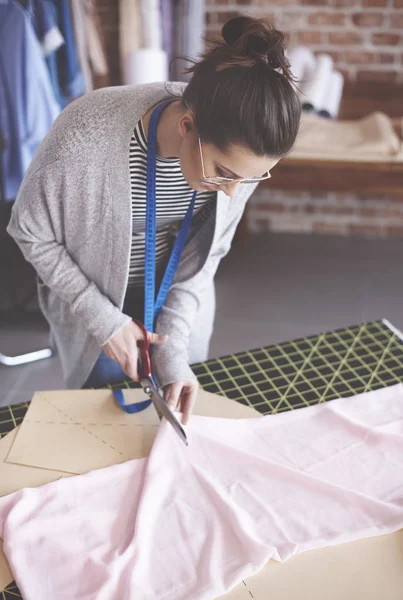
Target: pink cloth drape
[[191, 523]]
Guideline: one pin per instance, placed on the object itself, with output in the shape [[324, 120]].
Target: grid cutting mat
[[293, 374], [290, 375], [306, 371]]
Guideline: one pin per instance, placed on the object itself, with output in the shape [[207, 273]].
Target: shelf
[[361, 177]]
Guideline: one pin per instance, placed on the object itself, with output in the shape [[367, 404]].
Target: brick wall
[[365, 38], [331, 213]]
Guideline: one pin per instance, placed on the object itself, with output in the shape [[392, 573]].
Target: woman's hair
[[242, 90]]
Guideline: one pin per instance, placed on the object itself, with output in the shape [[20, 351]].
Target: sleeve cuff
[[169, 369]]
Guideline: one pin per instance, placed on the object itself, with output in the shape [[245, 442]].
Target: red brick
[[223, 17], [368, 19], [336, 55], [287, 37], [330, 210], [287, 20], [366, 229], [326, 227], [370, 212], [270, 208], [342, 210], [264, 3], [294, 208], [348, 74], [214, 33], [324, 18], [397, 21], [385, 39], [311, 37], [359, 58], [391, 213], [380, 76], [347, 3], [314, 2], [374, 3], [262, 224], [344, 38], [398, 3], [393, 230], [386, 58]]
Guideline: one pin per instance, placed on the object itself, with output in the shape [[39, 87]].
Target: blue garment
[[70, 83], [41, 17], [27, 104], [166, 7], [52, 61], [189, 29], [43, 14]]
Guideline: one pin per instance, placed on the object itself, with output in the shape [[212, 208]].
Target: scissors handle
[[144, 362], [144, 371]]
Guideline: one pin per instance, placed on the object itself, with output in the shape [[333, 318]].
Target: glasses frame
[[219, 181]]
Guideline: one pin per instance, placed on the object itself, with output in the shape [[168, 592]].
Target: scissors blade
[[162, 407]]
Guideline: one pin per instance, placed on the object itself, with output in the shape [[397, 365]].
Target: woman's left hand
[[182, 396]]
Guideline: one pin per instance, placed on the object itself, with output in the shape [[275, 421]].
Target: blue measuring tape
[[153, 305]]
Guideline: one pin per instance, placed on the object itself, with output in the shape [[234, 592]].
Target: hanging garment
[[46, 28], [43, 16], [151, 24], [166, 7], [130, 27], [130, 35], [189, 30], [193, 522], [96, 51], [194, 30], [28, 106], [143, 59], [90, 51], [67, 80], [178, 64]]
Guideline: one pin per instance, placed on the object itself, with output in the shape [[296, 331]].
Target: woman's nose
[[231, 189]]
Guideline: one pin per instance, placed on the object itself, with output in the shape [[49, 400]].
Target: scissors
[[149, 386]]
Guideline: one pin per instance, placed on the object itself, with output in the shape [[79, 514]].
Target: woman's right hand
[[122, 347]]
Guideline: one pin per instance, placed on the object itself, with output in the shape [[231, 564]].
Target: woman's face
[[237, 163]]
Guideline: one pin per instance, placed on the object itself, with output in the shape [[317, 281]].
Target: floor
[[270, 288]]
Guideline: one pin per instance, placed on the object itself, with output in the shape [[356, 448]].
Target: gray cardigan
[[72, 221]]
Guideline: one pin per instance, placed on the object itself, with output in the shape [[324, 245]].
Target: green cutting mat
[[306, 371], [290, 375]]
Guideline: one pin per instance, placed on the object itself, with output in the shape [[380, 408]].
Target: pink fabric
[[192, 523]]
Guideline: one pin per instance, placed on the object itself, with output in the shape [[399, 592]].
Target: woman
[[80, 214]]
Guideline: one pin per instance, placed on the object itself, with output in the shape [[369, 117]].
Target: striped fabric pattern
[[173, 196]]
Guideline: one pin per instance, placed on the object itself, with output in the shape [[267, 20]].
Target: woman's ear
[[186, 125]]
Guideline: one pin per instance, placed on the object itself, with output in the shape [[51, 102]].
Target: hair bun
[[256, 39], [235, 28]]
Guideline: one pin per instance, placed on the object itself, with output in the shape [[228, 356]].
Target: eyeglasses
[[227, 180]]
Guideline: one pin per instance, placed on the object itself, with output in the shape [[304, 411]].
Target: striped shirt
[[173, 196]]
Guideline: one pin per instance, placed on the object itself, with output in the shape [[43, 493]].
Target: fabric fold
[[194, 522]]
